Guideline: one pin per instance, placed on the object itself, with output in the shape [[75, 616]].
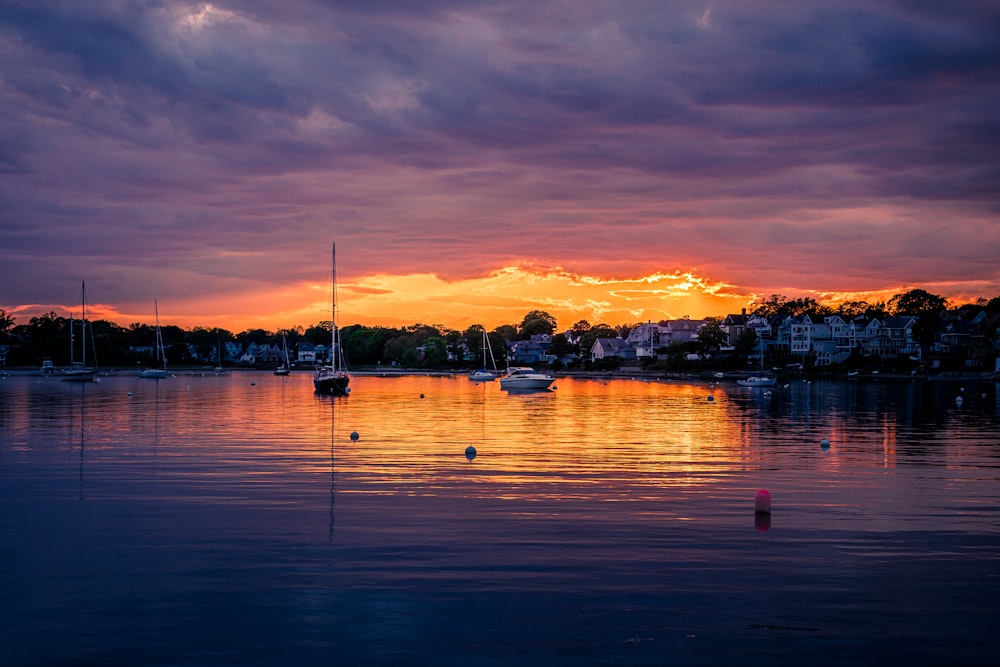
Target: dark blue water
[[232, 520]]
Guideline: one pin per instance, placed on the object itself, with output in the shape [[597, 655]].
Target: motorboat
[[525, 377], [757, 381]]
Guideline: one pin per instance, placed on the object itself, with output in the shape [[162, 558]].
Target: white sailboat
[[758, 380], [161, 354], [484, 375], [333, 378], [219, 370], [285, 368], [78, 371]]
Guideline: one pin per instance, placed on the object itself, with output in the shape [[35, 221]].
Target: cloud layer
[[208, 153]]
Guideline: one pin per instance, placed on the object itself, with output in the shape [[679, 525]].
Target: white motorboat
[[524, 377], [757, 381]]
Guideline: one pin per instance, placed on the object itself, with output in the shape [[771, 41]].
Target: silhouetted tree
[[537, 322], [711, 336]]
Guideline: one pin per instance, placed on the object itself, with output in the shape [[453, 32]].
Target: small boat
[[285, 368], [157, 373], [333, 379], [219, 370], [757, 381], [483, 375], [78, 371], [524, 377]]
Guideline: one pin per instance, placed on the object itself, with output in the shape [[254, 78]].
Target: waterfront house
[[531, 351], [604, 348]]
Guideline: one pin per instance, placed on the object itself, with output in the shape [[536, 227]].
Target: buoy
[[711, 398], [421, 395], [130, 393], [354, 436], [958, 400], [253, 384], [762, 501], [470, 452], [825, 444]]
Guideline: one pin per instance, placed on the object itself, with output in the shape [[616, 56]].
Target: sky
[[614, 161]]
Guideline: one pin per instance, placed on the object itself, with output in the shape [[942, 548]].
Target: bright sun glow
[[501, 297]]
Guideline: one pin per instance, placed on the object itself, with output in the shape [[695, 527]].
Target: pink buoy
[[762, 501]]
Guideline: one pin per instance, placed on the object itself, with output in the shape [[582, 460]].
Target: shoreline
[[620, 374]]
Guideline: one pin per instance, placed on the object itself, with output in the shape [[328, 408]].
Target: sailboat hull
[[155, 373], [334, 384], [78, 376]]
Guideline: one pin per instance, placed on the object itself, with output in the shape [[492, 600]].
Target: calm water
[[232, 520]]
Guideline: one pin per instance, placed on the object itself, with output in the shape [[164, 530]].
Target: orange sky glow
[[502, 297]]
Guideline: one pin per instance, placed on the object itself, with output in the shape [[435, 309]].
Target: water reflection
[[591, 516]]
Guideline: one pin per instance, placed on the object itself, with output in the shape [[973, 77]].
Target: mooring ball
[[470, 452], [762, 501], [421, 395], [825, 444], [711, 398], [354, 436]]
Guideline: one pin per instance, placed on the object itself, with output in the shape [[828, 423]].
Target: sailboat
[[78, 371], [758, 380], [157, 373], [219, 370], [484, 375], [333, 379], [285, 368]]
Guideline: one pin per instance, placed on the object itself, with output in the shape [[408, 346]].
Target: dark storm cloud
[[183, 134]]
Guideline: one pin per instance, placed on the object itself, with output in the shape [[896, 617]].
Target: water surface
[[233, 520]]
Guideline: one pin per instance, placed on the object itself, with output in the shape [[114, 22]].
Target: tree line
[[418, 345]]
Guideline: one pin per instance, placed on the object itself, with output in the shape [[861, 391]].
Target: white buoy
[[958, 400], [354, 436]]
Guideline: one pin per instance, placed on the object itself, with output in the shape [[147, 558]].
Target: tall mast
[[333, 307], [83, 319]]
